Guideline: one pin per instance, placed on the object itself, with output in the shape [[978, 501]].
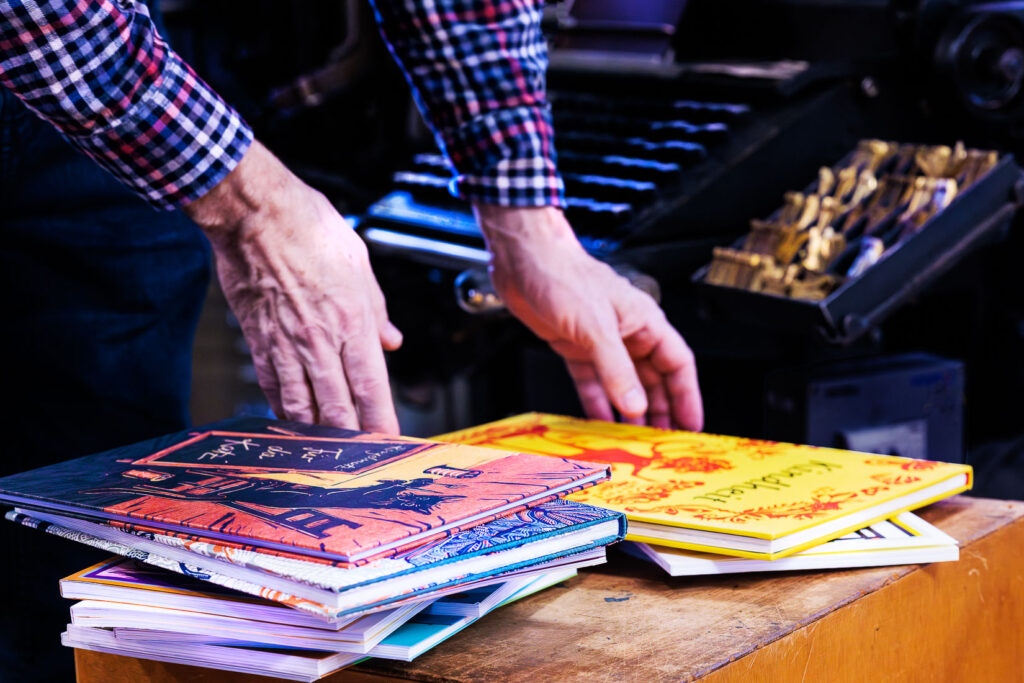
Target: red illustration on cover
[[349, 497]]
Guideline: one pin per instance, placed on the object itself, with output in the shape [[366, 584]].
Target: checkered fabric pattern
[[477, 70], [99, 71]]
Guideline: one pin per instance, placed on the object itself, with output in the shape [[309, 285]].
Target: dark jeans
[[100, 295]]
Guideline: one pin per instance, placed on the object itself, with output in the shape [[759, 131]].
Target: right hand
[[617, 344], [298, 278]]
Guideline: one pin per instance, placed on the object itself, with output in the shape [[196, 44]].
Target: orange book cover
[[313, 491]]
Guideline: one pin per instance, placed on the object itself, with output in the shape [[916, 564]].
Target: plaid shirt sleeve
[[99, 71], [477, 69]]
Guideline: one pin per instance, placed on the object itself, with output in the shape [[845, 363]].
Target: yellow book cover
[[724, 494]]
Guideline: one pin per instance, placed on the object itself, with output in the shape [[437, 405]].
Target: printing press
[[821, 194]]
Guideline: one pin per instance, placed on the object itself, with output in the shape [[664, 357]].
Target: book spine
[[324, 579], [143, 530]]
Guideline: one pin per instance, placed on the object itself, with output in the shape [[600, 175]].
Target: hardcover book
[[904, 539], [522, 541], [327, 493], [728, 495]]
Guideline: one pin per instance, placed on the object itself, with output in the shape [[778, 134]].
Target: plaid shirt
[[99, 71], [477, 70]]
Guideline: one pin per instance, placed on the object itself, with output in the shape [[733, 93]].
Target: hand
[[299, 280], [617, 344]]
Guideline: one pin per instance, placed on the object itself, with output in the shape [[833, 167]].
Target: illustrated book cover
[[329, 493], [904, 539], [728, 495]]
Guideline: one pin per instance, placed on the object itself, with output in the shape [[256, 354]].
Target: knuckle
[[687, 355], [295, 406], [369, 386], [336, 413], [357, 325]]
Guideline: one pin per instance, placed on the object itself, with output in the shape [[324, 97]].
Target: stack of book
[[289, 550], [706, 504]]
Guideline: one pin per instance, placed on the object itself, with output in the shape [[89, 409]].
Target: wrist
[[509, 231], [250, 189]]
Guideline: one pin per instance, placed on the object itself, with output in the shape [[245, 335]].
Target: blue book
[[547, 534]]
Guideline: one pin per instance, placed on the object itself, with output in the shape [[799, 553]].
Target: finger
[[267, 378], [639, 420], [618, 376], [334, 405], [296, 395], [592, 397], [367, 374], [672, 358], [659, 410], [391, 337]]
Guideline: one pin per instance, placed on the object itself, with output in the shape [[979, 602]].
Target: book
[[329, 493], [128, 580], [904, 539], [108, 588], [409, 641], [553, 534], [417, 633], [728, 495], [225, 629]]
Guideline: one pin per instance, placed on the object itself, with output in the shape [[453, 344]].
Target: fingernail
[[634, 402]]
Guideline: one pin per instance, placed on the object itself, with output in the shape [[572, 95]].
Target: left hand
[[299, 280], [617, 344]]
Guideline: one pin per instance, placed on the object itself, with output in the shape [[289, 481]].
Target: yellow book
[[724, 494]]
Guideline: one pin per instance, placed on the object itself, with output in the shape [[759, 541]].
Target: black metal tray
[[978, 215]]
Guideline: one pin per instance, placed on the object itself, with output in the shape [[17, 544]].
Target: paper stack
[[706, 504], [289, 550]]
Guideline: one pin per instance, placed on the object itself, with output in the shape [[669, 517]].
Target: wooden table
[[628, 621]]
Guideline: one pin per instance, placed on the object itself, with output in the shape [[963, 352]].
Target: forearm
[[477, 69], [103, 76]]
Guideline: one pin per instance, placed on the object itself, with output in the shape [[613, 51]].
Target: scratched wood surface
[[628, 621], [950, 622]]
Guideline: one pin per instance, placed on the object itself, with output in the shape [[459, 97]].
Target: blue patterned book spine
[[532, 525]]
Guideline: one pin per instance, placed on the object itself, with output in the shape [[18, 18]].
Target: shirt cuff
[[175, 143], [506, 157]]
